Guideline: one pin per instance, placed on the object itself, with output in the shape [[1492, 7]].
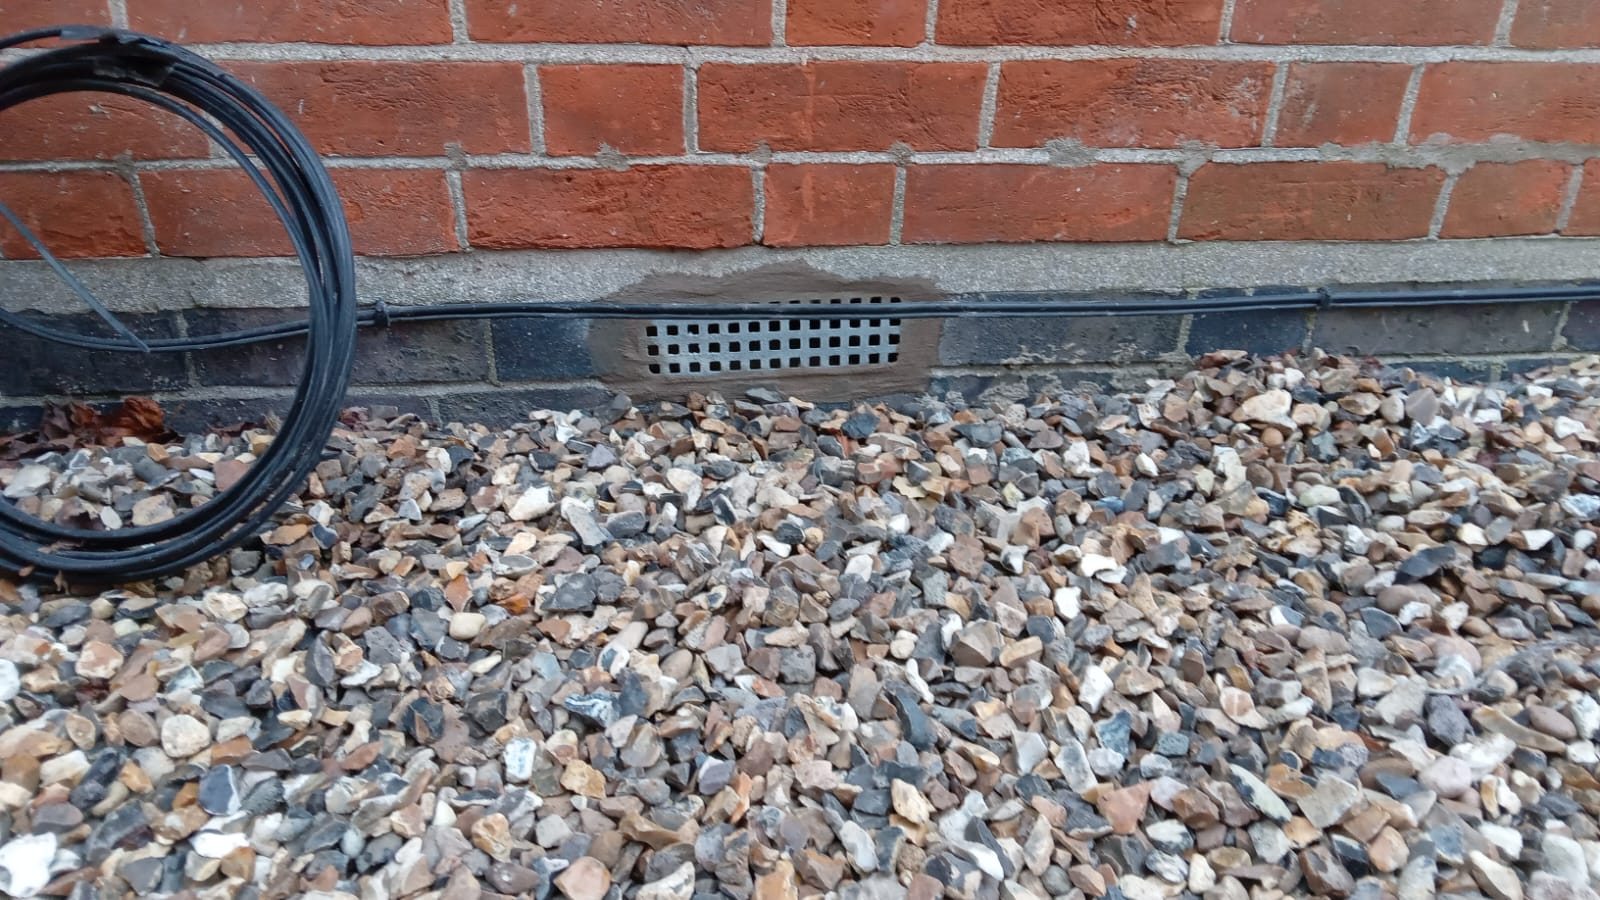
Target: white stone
[[1031, 750], [1448, 777], [1134, 887], [1202, 877], [1538, 538], [69, 768], [551, 831], [25, 864], [1486, 755], [1096, 685], [1496, 880], [533, 504], [677, 886], [518, 759], [184, 736], [1319, 495], [10, 681], [1093, 564], [464, 626], [28, 481], [862, 850], [1564, 858], [1585, 713], [1508, 839], [1068, 603], [216, 845]]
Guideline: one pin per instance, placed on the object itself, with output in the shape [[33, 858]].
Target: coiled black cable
[[283, 165]]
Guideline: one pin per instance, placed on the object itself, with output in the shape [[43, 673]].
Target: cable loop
[[286, 169]]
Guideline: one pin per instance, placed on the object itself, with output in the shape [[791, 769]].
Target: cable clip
[[380, 314], [1327, 299]]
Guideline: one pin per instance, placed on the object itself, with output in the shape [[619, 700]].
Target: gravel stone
[[1291, 626]]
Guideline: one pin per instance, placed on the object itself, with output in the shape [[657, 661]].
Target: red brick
[[692, 207], [737, 23], [1551, 24], [400, 108], [828, 205], [1585, 219], [1136, 23], [632, 109], [1503, 199], [1132, 102], [878, 23], [976, 204], [1474, 101], [1341, 103], [1291, 201], [840, 106], [26, 15], [1379, 22], [77, 214], [219, 212], [318, 22], [97, 126]]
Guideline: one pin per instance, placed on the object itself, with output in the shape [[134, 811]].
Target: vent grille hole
[[702, 347]]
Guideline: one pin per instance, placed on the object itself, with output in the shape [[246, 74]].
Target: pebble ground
[[1279, 628]]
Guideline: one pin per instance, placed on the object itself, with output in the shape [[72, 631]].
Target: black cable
[[963, 306], [298, 188]]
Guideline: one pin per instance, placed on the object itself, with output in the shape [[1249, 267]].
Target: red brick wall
[[455, 125]]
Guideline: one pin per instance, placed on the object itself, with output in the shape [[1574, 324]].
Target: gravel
[[1281, 627]]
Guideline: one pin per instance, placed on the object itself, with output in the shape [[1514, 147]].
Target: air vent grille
[[708, 348]]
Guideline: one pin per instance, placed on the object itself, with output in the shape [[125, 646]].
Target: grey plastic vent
[[711, 347]]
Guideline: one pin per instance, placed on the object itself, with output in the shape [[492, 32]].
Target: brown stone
[[492, 835], [779, 884], [585, 879], [1125, 807]]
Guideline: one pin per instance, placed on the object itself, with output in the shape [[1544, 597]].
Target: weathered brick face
[[665, 124]]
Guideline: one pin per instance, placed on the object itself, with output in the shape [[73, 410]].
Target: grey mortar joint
[[459, 32], [1069, 153], [1560, 341], [1180, 196], [124, 166], [758, 213], [610, 158], [780, 23], [535, 93], [1408, 105], [986, 112], [1569, 201], [458, 208], [1442, 205], [1225, 32], [567, 54], [1280, 81], [1508, 20], [491, 361], [1193, 156], [691, 106], [897, 208]]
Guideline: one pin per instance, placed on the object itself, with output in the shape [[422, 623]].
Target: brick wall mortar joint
[[1569, 199]]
